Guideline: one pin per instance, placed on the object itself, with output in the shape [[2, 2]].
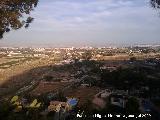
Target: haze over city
[[65, 23]]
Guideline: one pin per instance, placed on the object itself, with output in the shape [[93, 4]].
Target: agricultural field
[[21, 74], [8, 62], [45, 87]]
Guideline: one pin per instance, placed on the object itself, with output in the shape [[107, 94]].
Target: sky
[[97, 23]]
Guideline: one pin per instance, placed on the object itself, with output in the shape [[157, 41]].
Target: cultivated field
[[45, 87]]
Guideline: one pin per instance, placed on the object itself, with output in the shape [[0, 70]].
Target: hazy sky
[[60, 23]]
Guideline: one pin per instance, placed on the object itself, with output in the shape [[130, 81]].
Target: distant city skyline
[[96, 23]]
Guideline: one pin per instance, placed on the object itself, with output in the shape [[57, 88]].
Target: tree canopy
[[155, 3], [15, 13]]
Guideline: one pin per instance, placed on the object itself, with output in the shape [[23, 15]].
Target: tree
[[87, 55], [48, 78], [132, 106], [155, 3], [132, 59], [11, 14]]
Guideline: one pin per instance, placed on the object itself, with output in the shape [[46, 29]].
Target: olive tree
[[15, 13]]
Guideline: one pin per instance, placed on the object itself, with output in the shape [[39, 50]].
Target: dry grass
[[83, 93], [44, 87]]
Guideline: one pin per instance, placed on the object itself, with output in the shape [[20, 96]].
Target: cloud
[[80, 11], [95, 22]]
